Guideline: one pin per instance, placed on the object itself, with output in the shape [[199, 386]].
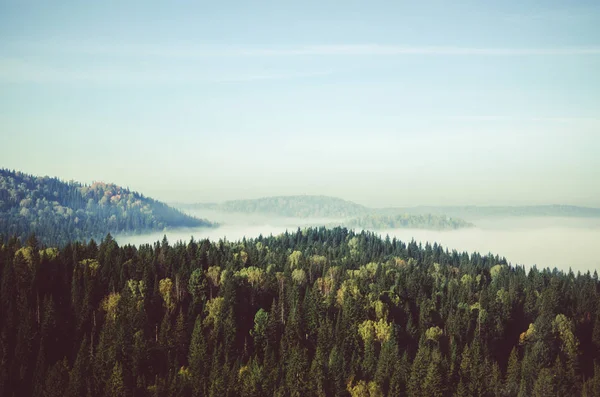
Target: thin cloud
[[376, 49], [564, 15], [17, 70], [559, 120], [183, 51]]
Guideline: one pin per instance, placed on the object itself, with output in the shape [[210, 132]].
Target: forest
[[59, 212], [406, 221], [316, 312]]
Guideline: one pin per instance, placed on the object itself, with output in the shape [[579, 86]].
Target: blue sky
[[384, 103]]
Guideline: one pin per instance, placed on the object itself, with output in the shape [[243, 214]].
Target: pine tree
[[544, 384], [461, 390], [388, 358], [114, 384], [513, 374], [77, 376], [57, 379], [419, 371], [317, 378], [560, 375], [495, 381], [197, 359], [595, 382], [433, 384]]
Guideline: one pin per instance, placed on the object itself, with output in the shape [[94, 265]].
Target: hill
[[318, 312], [289, 206], [332, 207], [59, 212]]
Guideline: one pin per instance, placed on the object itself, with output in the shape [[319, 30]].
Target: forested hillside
[[319, 312], [406, 221], [59, 212]]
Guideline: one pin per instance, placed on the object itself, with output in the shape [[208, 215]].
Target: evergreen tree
[[115, 386], [433, 384], [419, 370], [198, 360], [513, 374], [77, 377], [57, 379], [544, 384]]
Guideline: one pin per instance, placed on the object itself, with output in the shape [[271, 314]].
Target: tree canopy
[[59, 212], [317, 312]]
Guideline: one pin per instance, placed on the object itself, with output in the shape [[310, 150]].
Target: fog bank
[[546, 242]]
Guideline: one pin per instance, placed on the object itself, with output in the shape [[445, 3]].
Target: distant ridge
[[474, 212], [341, 212], [305, 206], [59, 212], [298, 206]]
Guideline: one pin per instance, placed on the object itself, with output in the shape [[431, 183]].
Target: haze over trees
[[59, 212], [472, 212], [311, 313], [355, 215], [341, 213], [406, 221], [288, 206]]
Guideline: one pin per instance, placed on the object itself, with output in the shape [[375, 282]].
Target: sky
[[390, 103]]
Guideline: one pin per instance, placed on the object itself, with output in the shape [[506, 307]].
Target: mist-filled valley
[[548, 242]]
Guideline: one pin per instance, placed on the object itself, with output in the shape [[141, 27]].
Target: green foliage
[[434, 334], [114, 385], [198, 360], [259, 332], [59, 212], [543, 386], [353, 314]]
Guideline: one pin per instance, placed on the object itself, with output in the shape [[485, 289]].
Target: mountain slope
[[58, 211]]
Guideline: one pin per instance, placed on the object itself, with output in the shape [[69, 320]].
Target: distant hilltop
[[308, 206], [474, 212], [59, 212], [289, 206]]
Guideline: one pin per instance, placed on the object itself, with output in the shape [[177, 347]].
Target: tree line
[[407, 221]]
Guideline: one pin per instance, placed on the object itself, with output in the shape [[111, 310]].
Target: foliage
[[59, 212], [318, 312]]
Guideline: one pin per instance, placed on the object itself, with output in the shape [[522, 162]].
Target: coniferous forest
[[317, 312], [59, 212]]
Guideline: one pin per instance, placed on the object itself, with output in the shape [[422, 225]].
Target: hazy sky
[[384, 103]]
